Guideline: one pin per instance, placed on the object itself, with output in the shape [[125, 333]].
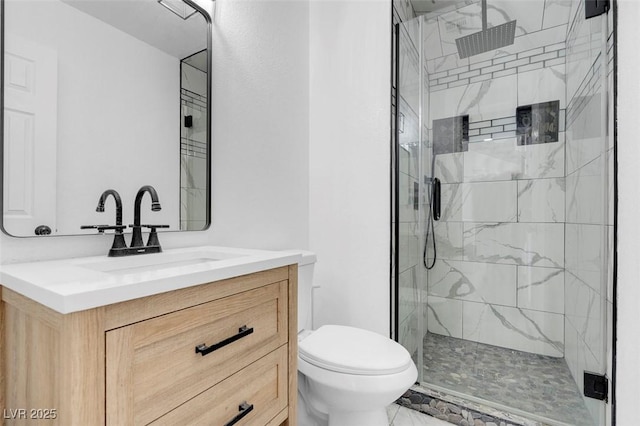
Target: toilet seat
[[354, 351]]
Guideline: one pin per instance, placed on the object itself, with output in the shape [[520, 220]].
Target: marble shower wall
[[589, 221], [499, 277]]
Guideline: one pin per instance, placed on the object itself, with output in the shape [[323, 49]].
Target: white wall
[[349, 151], [260, 124], [628, 320]]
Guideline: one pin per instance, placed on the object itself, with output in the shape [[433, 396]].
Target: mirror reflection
[[104, 94]]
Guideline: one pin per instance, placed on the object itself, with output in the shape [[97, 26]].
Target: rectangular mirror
[[104, 94]]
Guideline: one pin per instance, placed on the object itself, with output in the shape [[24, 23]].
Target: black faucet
[[119, 246], [136, 239], [118, 200], [153, 244]]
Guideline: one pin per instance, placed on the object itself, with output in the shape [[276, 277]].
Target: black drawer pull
[[243, 331], [244, 409]]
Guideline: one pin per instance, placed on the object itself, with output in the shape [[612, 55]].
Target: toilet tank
[[305, 289]]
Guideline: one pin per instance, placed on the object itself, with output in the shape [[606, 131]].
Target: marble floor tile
[[402, 416]]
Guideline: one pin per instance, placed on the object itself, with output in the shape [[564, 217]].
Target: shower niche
[[538, 123], [520, 140]]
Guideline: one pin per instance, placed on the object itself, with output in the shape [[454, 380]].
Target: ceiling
[[148, 21]]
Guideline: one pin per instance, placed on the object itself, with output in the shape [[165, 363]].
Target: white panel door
[[30, 127]]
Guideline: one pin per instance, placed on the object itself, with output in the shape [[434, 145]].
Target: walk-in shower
[[502, 217]]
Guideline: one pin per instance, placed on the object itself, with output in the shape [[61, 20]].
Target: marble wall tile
[[432, 44], [556, 12], [449, 168], [504, 160], [458, 23], [584, 134], [451, 202], [541, 200], [578, 59], [445, 63], [542, 85], [444, 316], [474, 281], [528, 14], [492, 161], [409, 159], [409, 129], [583, 253], [408, 294], [541, 289], [583, 308], [482, 101], [410, 242], [404, 160], [571, 349], [406, 195], [585, 194], [533, 244], [576, 12], [409, 70], [489, 201], [542, 160], [409, 336], [520, 329], [449, 243]]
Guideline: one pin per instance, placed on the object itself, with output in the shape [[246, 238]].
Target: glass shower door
[[411, 291], [515, 309]]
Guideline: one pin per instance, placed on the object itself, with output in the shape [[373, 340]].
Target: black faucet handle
[[102, 228], [155, 226], [91, 226], [148, 226]]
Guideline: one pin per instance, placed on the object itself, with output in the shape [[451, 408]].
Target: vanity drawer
[[252, 396], [155, 365]]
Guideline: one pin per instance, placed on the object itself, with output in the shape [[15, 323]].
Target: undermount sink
[[158, 261]]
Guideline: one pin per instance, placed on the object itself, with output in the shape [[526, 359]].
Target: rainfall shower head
[[487, 39]]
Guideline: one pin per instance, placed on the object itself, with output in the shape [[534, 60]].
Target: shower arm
[[484, 14]]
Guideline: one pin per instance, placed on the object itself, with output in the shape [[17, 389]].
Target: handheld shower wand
[[435, 206]]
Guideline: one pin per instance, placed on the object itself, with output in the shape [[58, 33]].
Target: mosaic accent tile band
[[541, 57]]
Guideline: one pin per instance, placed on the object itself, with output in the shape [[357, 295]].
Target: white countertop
[[71, 285]]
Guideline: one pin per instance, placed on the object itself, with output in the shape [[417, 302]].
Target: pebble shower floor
[[536, 384]]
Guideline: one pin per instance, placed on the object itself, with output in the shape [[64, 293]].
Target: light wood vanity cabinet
[[205, 355]]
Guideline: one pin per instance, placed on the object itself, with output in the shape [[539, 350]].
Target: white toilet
[[346, 376]]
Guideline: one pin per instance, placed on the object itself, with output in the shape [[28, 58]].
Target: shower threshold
[[518, 387]]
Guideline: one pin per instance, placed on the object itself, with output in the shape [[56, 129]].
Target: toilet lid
[[353, 351]]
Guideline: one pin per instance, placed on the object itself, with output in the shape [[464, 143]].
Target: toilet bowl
[[350, 375], [346, 376]]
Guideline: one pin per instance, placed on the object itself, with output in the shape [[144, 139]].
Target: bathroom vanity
[[203, 335]]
